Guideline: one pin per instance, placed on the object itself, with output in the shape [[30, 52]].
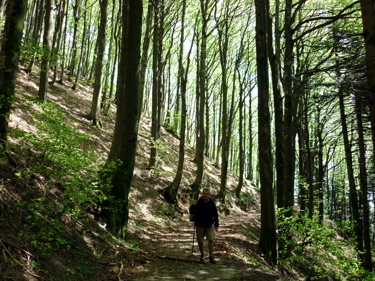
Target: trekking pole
[[192, 247]]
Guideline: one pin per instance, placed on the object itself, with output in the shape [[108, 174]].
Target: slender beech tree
[[97, 93], [156, 81], [46, 59], [78, 61], [145, 49], [73, 56], [267, 240], [106, 100], [206, 8], [63, 59], [37, 27], [368, 22], [56, 42], [274, 60], [9, 58], [349, 166], [124, 144], [224, 26], [170, 192], [367, 264]]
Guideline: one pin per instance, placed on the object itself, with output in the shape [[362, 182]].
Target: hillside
[[41, 240]]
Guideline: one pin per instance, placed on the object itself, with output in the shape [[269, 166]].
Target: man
[[206, 220]]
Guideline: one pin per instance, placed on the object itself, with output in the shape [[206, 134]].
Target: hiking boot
[[212, 260], [201, 259]]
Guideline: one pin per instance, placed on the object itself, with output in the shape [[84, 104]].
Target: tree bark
[[353, 196], [267, 241], [363, 184], [170, 193], [38, 19], [274, 59], [56, 42], [9, 58], [368, 22], [156, 87], [97, 93], [78, 66], [288, 132], [124, 143], [62, 64], [46, 60], [145, 49], [73, 57], [201, 98]]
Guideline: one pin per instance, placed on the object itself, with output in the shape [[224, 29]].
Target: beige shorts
[[205, 231]]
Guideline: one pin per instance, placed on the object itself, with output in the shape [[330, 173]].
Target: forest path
[[170, 256]]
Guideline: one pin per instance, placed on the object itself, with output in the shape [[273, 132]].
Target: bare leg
[[200, 245]]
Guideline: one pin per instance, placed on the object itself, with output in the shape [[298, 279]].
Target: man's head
[[206, 194]]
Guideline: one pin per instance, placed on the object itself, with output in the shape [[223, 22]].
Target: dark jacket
[[206, 213]]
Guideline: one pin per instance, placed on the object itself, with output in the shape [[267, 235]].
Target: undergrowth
[[61, 154], [315, 248]]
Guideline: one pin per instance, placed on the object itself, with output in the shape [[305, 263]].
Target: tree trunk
[[274, 59], [363, 184], [124, 143], [368, 16], [145, 49], [62, 65], [155, 118], [56, 42], [75, 38], [201, 100], [267, 241], [78, 66], [353, 196], [116, 33], [9, 57], [288, 132], [97, 93], [46, 60], [170, 193], [223, 29], [320, 172], [36, 32]]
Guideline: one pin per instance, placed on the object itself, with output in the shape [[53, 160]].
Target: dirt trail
[[170, 256]]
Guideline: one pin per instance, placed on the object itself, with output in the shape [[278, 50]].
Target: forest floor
[[160, 236]]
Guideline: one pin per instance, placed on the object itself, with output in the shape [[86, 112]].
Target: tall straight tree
[[9, 58], [46, 60], [124, 144], [36, 27], [224, 24], [145, 49], [350, 173], [206, 9], [170, 192], [363, 184], [267, 240], [56, 42], [288, 129], [73, 57], [156, 81], [368, 21], [274, 59], [79, 62], [97, 93]]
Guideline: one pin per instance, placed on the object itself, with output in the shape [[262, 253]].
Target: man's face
[[206, 195]]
